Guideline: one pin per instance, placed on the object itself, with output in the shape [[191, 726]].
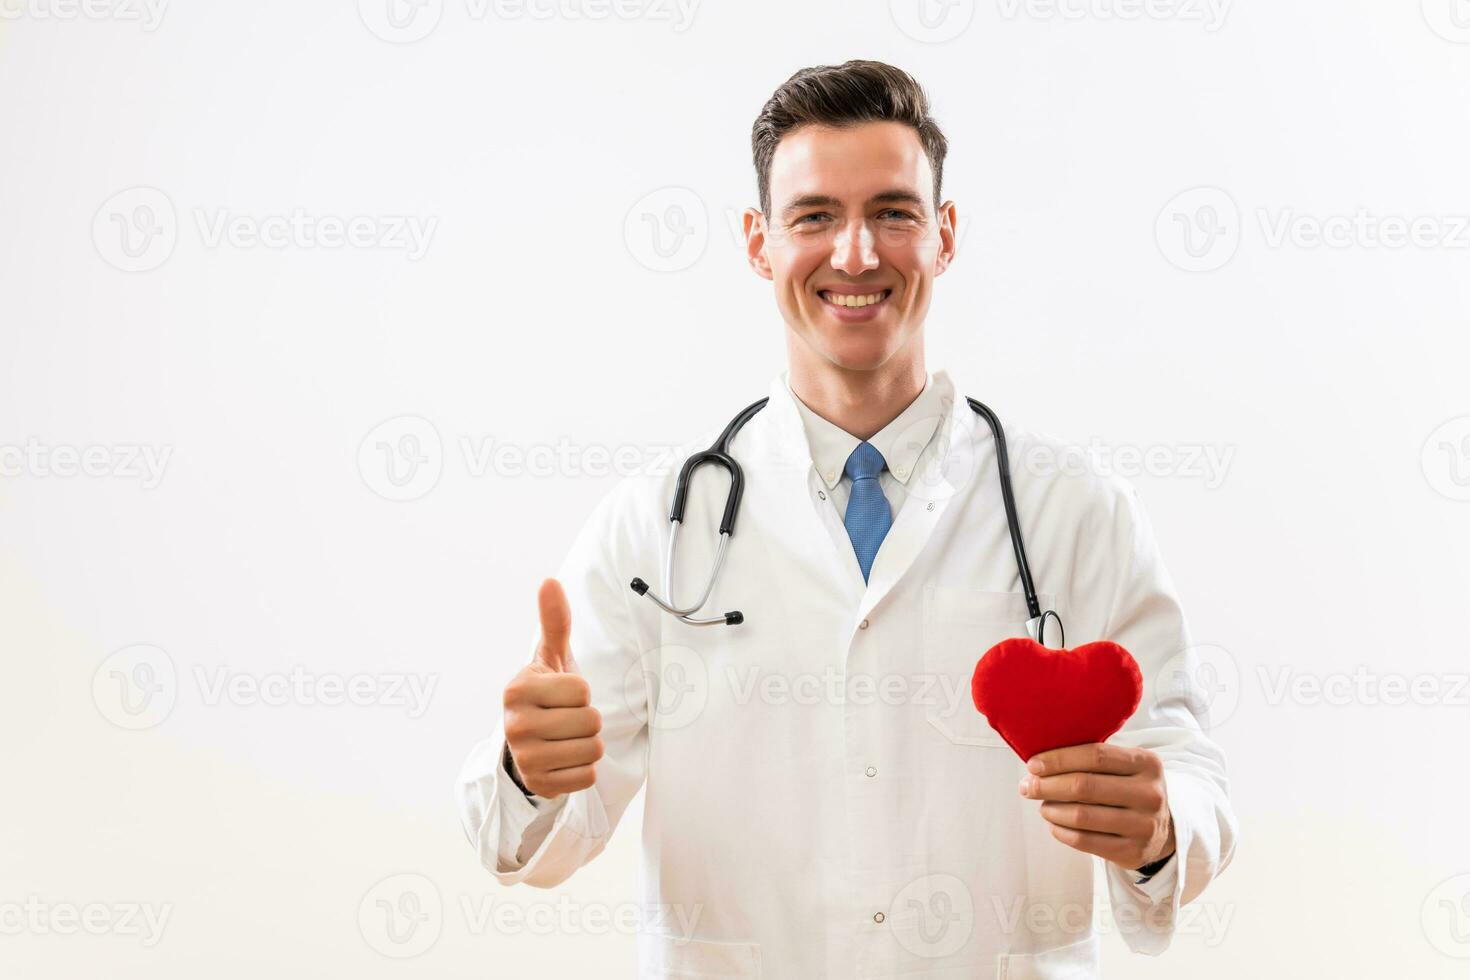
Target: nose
[[852, 248]]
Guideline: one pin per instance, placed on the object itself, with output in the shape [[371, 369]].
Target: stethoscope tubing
[[719, 455]]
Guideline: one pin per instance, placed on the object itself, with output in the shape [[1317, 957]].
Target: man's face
[[852, 215]]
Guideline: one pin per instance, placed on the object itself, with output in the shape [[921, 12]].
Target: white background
[[542, 313]]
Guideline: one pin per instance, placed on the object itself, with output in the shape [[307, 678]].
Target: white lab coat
[[822, 798]]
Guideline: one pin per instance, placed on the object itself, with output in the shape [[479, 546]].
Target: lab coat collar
[[900, 441], [936, 413], [945, 465]]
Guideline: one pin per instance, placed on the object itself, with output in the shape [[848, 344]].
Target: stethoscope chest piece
[[1036, 629]]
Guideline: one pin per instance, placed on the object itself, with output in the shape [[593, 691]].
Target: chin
[[859, 352]]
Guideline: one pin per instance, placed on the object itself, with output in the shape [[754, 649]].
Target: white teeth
[[837, 299]]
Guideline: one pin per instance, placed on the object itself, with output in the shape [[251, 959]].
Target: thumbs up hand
[[550, 724]]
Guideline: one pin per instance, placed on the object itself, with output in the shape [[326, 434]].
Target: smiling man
[[822, 799]]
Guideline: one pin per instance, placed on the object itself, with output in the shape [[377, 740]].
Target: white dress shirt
[[900, 442]]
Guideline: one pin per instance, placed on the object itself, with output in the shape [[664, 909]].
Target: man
[[822, 800]]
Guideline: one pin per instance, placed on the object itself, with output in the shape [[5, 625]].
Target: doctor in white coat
[[822, 798]]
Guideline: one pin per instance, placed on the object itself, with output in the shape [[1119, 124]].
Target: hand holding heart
[[1108, 800], [1056, 708]]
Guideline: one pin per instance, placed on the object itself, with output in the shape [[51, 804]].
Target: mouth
[[864, 301]]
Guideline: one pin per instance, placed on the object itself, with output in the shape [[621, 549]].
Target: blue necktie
[[868, 518]]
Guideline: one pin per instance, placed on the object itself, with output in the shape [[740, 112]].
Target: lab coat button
[[871, 771], [878, 916], [863, 625]]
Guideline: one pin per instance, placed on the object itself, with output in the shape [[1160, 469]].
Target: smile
[[855, 302]]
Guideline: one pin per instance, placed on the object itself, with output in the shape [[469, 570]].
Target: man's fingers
[[548, 690], [1115, 820], [1120, 760], [560, 781], [547, 757], [1099, 788], [567, 722], [1110, 847], [556, 625]]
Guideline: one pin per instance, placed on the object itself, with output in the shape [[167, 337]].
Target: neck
[[860, 402]]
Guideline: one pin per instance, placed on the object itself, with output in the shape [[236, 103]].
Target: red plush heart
[[1039, 698]]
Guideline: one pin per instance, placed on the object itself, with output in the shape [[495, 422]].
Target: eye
[[814, 214], [901, 214]]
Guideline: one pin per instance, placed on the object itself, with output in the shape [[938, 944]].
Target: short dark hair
[[844, 95]]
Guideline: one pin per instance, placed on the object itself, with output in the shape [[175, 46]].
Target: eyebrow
[[827, 201]]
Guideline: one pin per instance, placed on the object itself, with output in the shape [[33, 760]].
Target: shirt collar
[[901, 441]]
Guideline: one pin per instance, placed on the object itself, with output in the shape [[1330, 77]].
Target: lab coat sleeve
[[1122, 584], [542, 842], [1161, 885]]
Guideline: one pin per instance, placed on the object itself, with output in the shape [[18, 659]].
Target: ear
[[754, 224], [948, 242]]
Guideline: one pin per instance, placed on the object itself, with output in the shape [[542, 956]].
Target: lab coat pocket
[[960, 624], [1075, 961], [674, 956]]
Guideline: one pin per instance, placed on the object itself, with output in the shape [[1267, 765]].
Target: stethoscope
[[719, 454]]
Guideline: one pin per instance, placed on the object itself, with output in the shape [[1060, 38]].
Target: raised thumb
[[556, 626]]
